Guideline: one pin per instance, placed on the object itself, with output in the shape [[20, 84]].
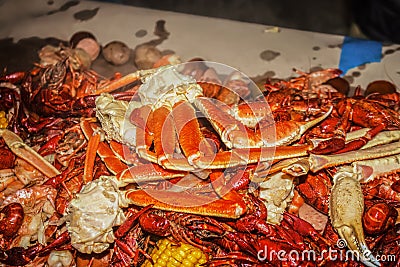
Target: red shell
[[7, 159], [13, 216], [154, 223], [379, 217]]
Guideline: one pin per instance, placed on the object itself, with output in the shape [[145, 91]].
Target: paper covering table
[[252, 48]]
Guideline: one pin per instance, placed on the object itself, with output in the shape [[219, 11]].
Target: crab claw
[[346, 206]]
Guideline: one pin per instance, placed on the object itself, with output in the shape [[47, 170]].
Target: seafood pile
[[100, 172]]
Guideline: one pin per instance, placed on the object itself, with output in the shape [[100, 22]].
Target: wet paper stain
[[260, 80], [362, 67], [160, 30], [64, 7], [269, 55], [141, 33], [335, 46], [315, 68], [86, 14], [266, 75], [389, 51], [349, 78]]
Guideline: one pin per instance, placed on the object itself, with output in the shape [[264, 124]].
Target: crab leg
[[383, 138], [135, 174], [298, 168], [185, 202], [319, 162], [125, 174], [146, 173], [237, 157], [125, 80], [234, 134], [113, 164], [373, 168], [142, 118], [22, 150], [90, 157], [244, 156], [286, 132], [190, 137], [250, 114], [346, 207], [123, 152], [164, 134]]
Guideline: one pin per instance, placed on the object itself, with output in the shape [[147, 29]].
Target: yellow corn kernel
[[162, 245], [161, 262], [186, 246], [178, 257], [173, 261], [181, 251], [197, 253], [164, 257], [169, 254], [187, 263], [203, 260], [192, 258], [3, 120]]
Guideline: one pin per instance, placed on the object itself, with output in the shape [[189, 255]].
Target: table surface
[[252, 48]]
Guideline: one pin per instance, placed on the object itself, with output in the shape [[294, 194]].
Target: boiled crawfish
[[58, 90]]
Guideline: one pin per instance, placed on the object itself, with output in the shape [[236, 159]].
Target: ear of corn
[[170, 254], [3, 120]]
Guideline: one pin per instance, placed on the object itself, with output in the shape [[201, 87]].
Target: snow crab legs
[[165, 118]]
